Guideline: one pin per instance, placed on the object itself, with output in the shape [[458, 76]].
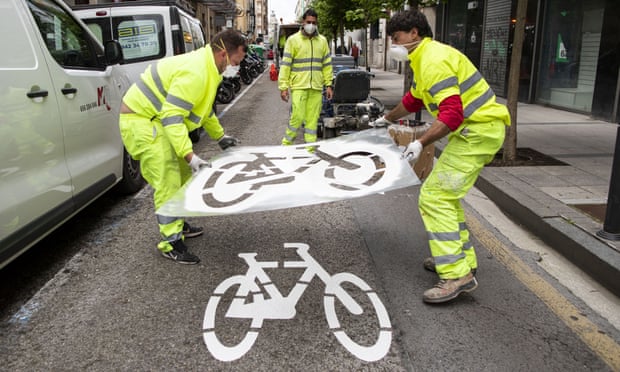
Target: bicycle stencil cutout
[[257, 299], [250, 179]]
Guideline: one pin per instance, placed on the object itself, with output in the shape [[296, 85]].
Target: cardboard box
[[403, 135]]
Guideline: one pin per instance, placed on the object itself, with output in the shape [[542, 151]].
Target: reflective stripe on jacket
[[179, 92], [306, 63], [440, 71]]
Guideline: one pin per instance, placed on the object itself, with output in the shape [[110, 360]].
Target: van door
[[34, 178], [89, 98]]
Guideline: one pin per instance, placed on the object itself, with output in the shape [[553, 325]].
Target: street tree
[[510, 143], [331, 17]]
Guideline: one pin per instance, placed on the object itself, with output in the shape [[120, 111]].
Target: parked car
[[147, 30], [60, 146]]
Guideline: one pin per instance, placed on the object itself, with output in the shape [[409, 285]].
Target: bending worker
[[452, 90], [173, 97], [305, 69]]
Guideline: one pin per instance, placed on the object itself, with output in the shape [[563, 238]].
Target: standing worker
[[281, 43], [305, 69], [173, 97], [464, 107]]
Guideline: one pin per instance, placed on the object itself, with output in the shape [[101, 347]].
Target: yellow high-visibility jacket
[[440, 71], [306, 63], [179, 92]]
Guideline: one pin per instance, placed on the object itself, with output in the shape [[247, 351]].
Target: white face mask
[[399, 53], [309, 28], [230, 71]]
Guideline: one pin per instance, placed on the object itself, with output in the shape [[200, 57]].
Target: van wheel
[[132, 178]]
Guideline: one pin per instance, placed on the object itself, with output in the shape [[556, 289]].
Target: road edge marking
[[598, 341]]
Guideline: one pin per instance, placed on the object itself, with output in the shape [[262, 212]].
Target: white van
[[147, 30], [60, 145]]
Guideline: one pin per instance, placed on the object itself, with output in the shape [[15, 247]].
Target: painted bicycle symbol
[[237, 181], [257, 299]]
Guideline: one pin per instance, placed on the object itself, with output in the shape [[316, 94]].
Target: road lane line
[[600, 343], [220, 115]]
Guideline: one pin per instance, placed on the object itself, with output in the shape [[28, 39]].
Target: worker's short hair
[[408, 20], [230, 39], [311, 13]]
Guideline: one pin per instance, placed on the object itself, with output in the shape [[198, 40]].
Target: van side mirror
[[113, 52]]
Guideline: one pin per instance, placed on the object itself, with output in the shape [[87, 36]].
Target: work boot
[[429, 264], [180, 254], [448, 289], [190, 231]]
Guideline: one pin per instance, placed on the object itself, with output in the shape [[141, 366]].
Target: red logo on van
[[101, 100]]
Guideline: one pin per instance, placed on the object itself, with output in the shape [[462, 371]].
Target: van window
[[197, 35], [22, 56], [63, 36], [140, 36], [188, 39], [96, 30]]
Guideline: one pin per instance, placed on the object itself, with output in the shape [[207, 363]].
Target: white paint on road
[[257, 298]]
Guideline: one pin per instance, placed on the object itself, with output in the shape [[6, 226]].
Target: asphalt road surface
[[107, 300]]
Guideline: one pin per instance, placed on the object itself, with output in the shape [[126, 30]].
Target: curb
[[538, 214]]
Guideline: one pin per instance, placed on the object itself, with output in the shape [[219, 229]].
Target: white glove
[[227, 141], [380, 123], [413, 151], [197, 163]]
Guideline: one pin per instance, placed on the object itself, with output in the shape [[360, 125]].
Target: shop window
[[569, 55]]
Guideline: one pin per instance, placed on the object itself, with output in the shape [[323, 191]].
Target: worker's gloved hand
[[413, 151], [227, 141], [197, 163], [380, 123]]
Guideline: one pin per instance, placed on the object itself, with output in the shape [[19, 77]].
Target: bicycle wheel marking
[[258, 298]]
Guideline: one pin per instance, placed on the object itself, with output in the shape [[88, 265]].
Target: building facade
[[571, 52]]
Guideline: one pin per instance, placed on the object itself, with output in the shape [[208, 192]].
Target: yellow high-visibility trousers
[[306, 107], [469, 149], [161, 168]]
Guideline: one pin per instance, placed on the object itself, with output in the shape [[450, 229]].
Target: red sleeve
[[451, 112], [411, 103]]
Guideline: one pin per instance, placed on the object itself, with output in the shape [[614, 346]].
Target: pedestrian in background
[[454, 92], [173, 97], [355, 53], [306, 69]]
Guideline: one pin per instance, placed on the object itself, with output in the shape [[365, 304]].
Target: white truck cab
[[60, 146]]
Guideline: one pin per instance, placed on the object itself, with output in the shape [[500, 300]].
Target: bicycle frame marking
[[249, 302]]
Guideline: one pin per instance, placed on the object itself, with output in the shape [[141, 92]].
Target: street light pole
[[611, 227]]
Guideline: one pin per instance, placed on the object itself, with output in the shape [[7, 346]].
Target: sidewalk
[[564, 205]]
